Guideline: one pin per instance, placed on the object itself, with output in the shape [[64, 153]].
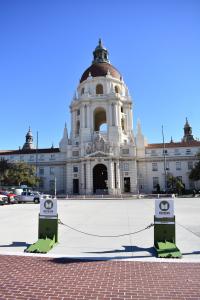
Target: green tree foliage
[[175, 184], [17, 173], [195, 172], [4, 167]]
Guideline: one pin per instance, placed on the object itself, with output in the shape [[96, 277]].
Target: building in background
[[101, 155]]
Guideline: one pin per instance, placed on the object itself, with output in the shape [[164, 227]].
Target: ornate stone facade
[[101, 155]]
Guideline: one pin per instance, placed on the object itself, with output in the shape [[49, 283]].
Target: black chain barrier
[[105, 236]]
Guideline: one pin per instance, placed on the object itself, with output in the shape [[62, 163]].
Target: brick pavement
[[56, 278]]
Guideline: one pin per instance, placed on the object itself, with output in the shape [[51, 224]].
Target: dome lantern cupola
[[188, 137], [100, 54]]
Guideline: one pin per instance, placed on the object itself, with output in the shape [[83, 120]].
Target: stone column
[[116, 115], [82, 119], [130, 118], [118, 177], [89, 179], [73, 125], [85, 116], [69, 179], [113, 114], [110, 177]]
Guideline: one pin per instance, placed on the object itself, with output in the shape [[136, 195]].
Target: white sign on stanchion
[[164, 208], [48, 207]]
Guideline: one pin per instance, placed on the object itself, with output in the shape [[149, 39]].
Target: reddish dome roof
[[101, 69]]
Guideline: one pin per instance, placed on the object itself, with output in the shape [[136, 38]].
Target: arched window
[[77, 128], [116, 89], [99, 89], [122, 123], [82, 91]]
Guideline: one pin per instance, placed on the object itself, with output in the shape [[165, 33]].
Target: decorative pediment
[[98, 154]]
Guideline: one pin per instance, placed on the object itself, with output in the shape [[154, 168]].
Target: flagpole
[[36, 161], [164, 155]]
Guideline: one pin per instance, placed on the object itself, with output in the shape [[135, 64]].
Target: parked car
[[29, 197], [11, 196], [3, 199]]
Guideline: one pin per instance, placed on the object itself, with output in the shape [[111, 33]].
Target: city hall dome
[[100, 65]]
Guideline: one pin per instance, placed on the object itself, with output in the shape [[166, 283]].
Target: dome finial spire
[[100, 42]]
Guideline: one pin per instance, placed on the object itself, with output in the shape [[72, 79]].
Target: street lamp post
[[164, 155], [55, 191]]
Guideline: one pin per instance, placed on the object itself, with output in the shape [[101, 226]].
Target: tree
[[17, 173], [195, 172], [4, 167], [175, 184]]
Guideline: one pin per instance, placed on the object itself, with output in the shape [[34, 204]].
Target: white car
[[3, 199], [29, 197]]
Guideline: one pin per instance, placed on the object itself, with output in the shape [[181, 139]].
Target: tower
[[188, 137], [29, 141], [101, 149]]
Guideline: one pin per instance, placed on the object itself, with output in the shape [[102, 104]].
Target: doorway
[[75, 186], [127, 185], [100, 179]]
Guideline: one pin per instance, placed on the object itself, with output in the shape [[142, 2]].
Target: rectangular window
[[154, 167], [126, 167], [41, 171], [31, 157], [188, 151], [176, 152], [52, 171], [52, 157], [75, 169], [178, 165], [155, 182], [41, 157], [190, 165], [78, 112], [125, 151], [153, 153], [75, 153]]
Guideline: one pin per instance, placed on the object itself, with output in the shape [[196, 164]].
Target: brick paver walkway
[[53, 278]]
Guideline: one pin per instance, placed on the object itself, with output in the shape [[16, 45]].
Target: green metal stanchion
[[48, 227], [164, 229]]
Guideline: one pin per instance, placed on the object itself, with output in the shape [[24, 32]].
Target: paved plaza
[[87, 267], [19, 228]]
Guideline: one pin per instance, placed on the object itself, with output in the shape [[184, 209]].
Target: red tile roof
[[174, 145], [29, 151]]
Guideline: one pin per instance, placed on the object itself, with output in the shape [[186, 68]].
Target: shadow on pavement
[[190, 253], [127, 249], [16, 244]]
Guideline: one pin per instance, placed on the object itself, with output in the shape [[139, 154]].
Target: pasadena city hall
[[102, 154]]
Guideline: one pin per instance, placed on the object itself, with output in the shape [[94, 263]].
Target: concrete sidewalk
[[19, 226]]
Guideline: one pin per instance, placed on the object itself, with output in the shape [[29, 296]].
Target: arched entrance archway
[[99, 118], [100, 179]]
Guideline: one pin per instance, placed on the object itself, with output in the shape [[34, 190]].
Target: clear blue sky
[[46, 45]]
